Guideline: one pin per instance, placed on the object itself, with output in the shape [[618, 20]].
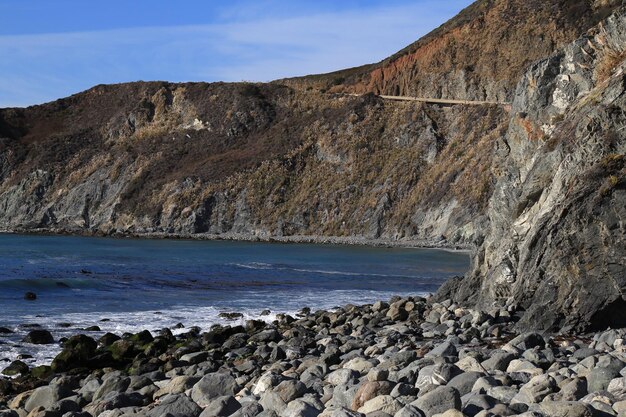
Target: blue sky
[[53, 48]]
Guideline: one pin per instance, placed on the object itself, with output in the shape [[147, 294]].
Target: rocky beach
[[503, 131], [408, 357]]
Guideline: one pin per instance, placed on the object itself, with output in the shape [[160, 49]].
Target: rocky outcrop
[[247, 160], [555, 245], [478, 55]]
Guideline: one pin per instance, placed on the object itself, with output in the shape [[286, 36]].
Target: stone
[[409, 410], [385, 403], [16, 368], [212, 386], [369, 390], [535, 390], [175, 405], [527, 341], [438, 401], [464, 382], [617, 388], [377, 374], [499, 361], [221, 407], [248, 410], [39, 337], [115, 383], [565, 409], [290, 390], [46, 397], [177, 385], [360, 365], [342, 376], [299, 408], [195, 357], [77, 352], [600, 378], [443, 349]]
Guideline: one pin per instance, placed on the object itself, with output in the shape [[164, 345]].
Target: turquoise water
[[135, 284]]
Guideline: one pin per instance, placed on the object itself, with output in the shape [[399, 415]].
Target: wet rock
[[16, 368], [39, 337]]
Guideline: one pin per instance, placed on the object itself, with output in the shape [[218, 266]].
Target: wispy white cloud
[[37, 68]]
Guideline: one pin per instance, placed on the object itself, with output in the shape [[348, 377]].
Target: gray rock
[[443, 349], [475, 403], [175, 405], [528, 341], [377, 374], [565, 409], [409, 410], [498, 361], [212, 386], [248, 410], [342, 376], [46, 397], [299, 408], [464, 382], [438, 401], [535, 390], [221, 407], [503, 394], [340, 412], [195, 357], [114, 383], [290, 390], [600, 378], [382, 403]]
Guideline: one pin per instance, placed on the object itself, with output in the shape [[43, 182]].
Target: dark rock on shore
[[39, 337]]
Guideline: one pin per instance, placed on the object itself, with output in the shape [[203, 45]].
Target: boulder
[[438, 401], [39, 337], [385, 403], [175, 405], [221, 407], [212, 386]]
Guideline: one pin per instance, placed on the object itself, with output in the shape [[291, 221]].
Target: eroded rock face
[[556, 243], [248, 160], [478, 55]]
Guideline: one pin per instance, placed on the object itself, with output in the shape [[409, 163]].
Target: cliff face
[[246, 159], [556, 242], [478, 55]]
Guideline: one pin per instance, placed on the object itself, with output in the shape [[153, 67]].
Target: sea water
[[127, 285]]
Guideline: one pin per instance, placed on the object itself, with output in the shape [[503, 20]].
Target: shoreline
[[240, 237], [405, 357]]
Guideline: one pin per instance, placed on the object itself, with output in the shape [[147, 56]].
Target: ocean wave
[[280, 267]]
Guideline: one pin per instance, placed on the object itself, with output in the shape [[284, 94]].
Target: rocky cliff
[[260, 160], [478, 55], [556, 242]]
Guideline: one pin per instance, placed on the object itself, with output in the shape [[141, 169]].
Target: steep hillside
[[248, 159], [556, 242], [478, 55]]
